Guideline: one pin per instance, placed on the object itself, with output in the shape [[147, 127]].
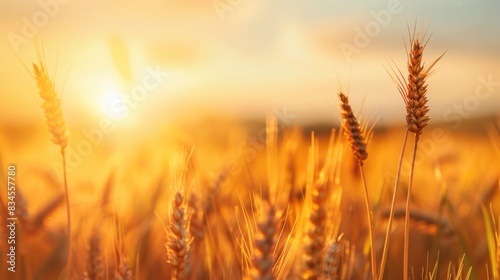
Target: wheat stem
[[393, 206], [68, 217], [370, 223], [407, 211]]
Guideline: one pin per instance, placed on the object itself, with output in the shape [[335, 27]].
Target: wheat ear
[[357, 135], [178, 242], [51, 104], [95, 261], [264, 245], [123, 271], [316, 235], [333, 260]]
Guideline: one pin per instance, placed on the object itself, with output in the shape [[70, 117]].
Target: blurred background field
[[125, 184]]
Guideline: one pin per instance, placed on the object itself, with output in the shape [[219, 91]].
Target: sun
[[110, 102]]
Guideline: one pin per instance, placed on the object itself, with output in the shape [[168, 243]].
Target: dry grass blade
[[456, 273]]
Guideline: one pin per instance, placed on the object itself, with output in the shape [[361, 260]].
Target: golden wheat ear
[[265, 242], [315, 238], [51, 102], [415, 95], [332, 266], [354, 132], [95, 266], [51, 105], [177, 237]]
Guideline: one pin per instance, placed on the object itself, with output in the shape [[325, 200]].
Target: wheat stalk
[[385, 249], [413, 90], [497, 252], [357, 135], [56, 123], [415, 99]]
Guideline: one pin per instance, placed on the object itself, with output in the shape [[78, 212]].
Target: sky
[[146, 61]]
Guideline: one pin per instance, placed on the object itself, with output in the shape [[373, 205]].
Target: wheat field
[[228, 199]]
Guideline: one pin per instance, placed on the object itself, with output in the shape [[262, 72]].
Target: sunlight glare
[[109, 102]]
